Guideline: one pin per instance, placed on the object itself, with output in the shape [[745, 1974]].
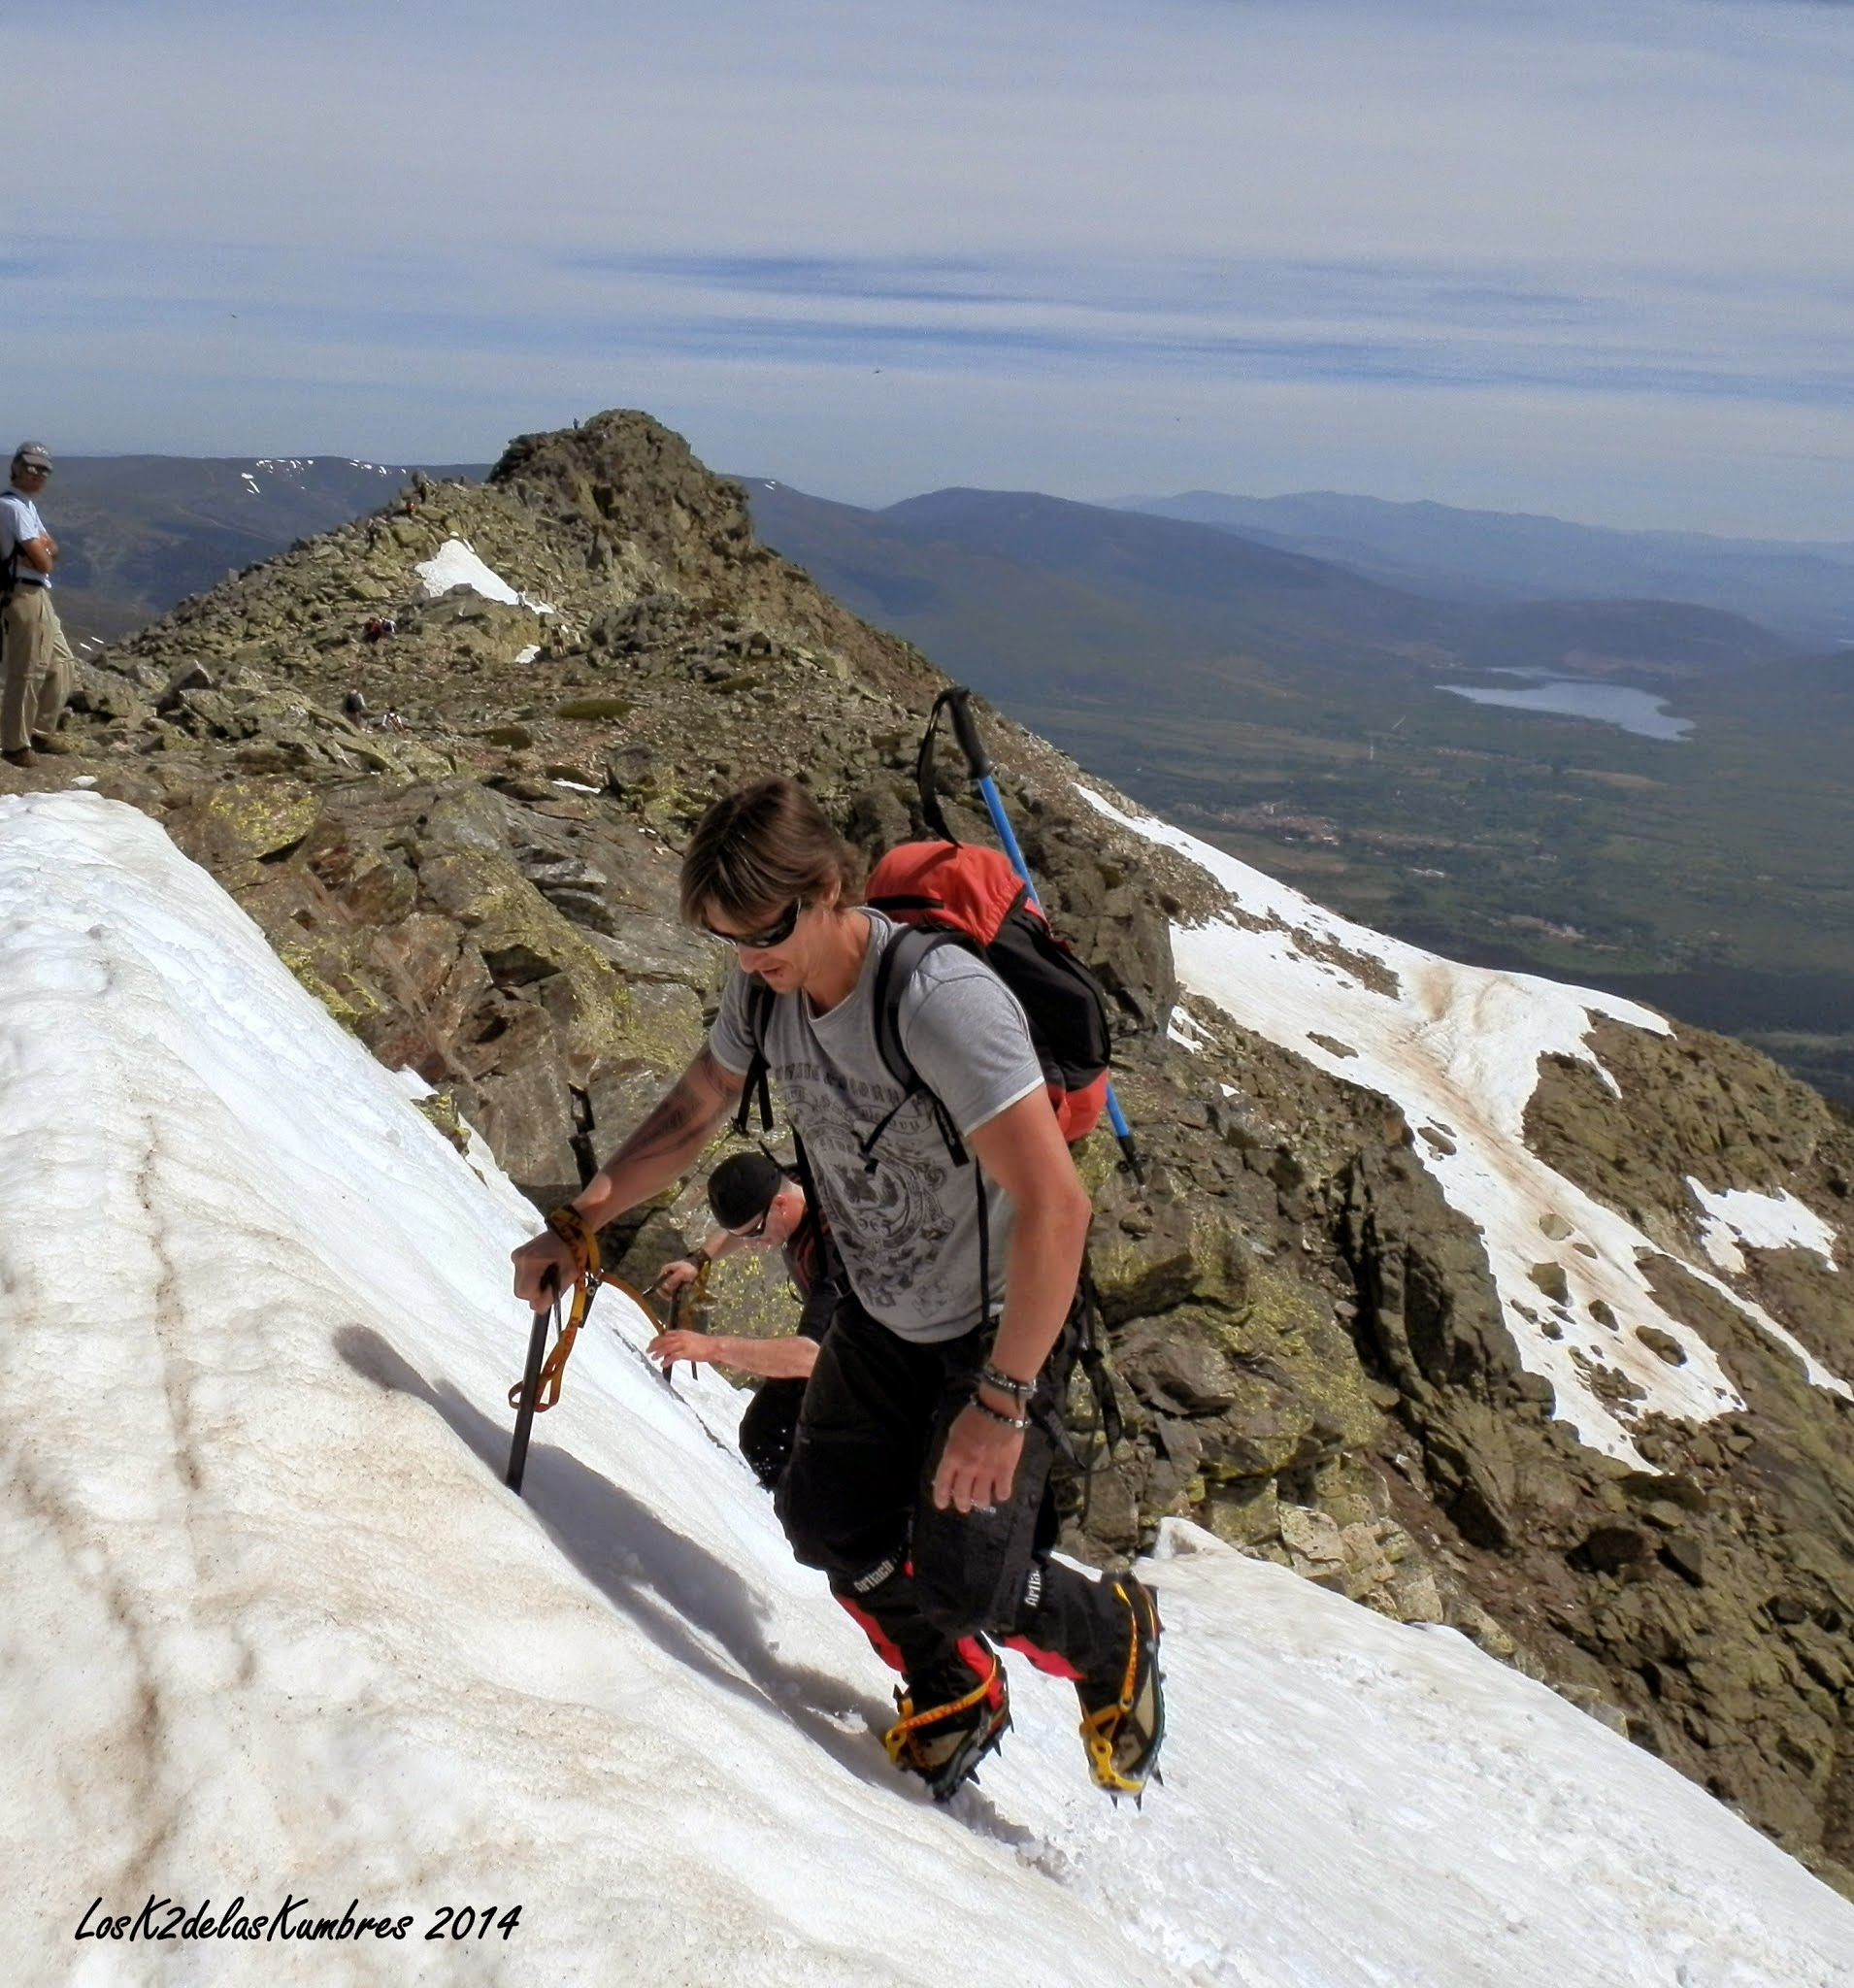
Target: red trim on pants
[[1044, 1660], [877, 1636], [984, 1665]]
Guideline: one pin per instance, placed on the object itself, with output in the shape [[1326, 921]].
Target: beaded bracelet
[[1019, 1391], [1017, 1423]]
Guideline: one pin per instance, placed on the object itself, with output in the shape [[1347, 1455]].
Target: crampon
[[965, 1708], [1122, 1731]]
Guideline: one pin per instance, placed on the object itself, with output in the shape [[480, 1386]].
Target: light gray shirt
[[907, 1226], [20, 524]]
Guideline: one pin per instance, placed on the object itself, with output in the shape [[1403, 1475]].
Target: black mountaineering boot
[[952, 1716], [1123, 1716]]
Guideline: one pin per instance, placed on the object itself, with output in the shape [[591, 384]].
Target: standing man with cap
[[38, 665]]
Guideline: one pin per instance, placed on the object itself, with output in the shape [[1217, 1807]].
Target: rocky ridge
[[462, 836]]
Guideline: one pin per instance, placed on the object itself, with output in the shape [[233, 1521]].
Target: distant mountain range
[[1015, 589], [1286, 705], [140, 533], [137, 533], [1805, 589]]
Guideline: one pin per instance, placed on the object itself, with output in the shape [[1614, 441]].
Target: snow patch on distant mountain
[[1458, 1048]]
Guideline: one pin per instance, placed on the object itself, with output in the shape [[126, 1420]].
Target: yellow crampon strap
[[896, 1738], [571, 1227], [1100, 1728]]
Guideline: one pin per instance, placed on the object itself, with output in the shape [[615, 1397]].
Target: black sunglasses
[[758, 1229], [776, 934]]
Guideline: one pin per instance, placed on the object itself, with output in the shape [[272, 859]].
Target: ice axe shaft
[[531, 1385]]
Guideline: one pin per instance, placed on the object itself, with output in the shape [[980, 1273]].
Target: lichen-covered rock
[[244, 821], [1152, 1264]]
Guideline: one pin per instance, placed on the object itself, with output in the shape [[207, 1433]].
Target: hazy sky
[[1584, 257]]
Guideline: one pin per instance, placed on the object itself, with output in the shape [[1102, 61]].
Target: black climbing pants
[[768, 1427], [856, 1501]]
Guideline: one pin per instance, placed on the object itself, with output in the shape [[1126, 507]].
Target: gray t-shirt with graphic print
[[908, 1227]]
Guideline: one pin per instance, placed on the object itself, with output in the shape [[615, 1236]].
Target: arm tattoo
[[694, 1105]]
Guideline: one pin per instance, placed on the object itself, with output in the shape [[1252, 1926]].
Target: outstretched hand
[[672, 1346], [674, 1275], [978, 1463]]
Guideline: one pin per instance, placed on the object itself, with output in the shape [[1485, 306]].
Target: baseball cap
[[32, 455], [741, 1189]]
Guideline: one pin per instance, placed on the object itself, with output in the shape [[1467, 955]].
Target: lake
[[1575, 697]]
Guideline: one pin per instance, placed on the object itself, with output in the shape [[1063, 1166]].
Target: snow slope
[[272, 1629], [1457, 1048]]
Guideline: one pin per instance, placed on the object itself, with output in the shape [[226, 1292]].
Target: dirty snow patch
[[1183, 1031], [457, 563], [1458, 1046], [1737, 1216]]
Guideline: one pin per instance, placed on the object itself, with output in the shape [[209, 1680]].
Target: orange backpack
[[971, 896]]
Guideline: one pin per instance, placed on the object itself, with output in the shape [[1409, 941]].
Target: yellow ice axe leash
[[571, 1227], [538, 1389]]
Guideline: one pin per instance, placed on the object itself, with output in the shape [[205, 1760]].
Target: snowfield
[[272, 1630], [1759, 1221], [1457, 1048], [457, 563]]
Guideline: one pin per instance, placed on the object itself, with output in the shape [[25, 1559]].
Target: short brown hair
[[757, 850]]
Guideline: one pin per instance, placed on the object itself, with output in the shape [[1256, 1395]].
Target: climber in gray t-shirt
[[920, 1472], [909, 1226]]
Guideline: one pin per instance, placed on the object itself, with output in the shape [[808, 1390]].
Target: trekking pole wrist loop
[[1019, 1391], [1017, 1423]]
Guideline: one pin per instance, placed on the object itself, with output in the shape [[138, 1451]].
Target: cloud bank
[[1559, 256]]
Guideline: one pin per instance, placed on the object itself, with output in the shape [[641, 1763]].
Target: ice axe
[[958, 701], [539, 1387], [531, 1379]]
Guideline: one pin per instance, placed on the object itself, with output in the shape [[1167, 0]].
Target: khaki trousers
[[38, 667]]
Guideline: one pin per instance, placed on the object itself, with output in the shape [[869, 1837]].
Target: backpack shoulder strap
[[759, 1014], [908, 947], [827, 1279]]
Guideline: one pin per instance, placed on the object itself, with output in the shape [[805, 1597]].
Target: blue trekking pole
[[959, 701]]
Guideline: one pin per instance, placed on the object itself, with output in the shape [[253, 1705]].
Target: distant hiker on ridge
[[919, 1478], [757, 1204], [35, 659]]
